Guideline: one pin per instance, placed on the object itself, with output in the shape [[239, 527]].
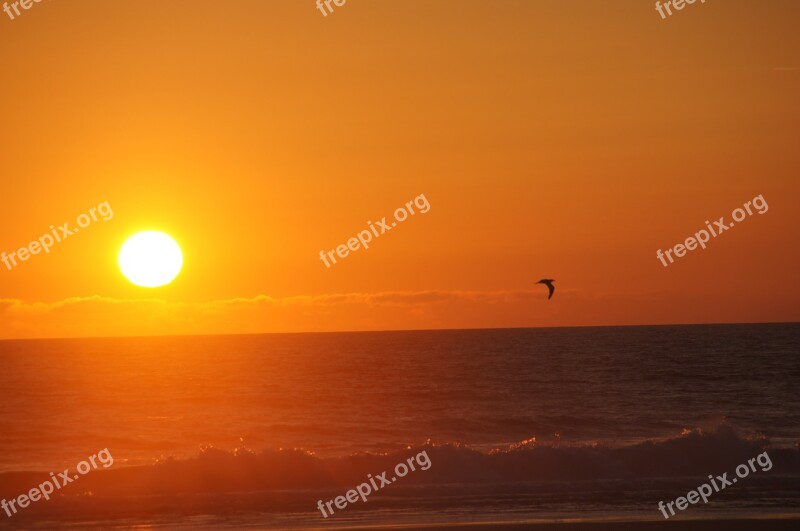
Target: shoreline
[[706, 524]]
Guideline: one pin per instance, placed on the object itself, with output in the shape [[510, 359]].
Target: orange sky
[[565, 139]]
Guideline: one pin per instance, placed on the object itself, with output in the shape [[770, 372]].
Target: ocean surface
[[249, 432]]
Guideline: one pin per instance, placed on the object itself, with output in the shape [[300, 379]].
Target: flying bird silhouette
[[549, 283]]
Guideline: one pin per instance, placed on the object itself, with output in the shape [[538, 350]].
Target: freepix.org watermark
[[365, 489], [54, 236], [677, 4], [365, 236], [24, 4], [702, 237], [339, 3], [56, 482], [704, 490]]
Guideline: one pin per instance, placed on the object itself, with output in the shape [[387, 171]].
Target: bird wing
[[552, 288]]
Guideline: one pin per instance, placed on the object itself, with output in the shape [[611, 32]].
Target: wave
[[244, 489], [692, 453]]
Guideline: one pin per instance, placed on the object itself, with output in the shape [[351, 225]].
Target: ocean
[[251, 431]]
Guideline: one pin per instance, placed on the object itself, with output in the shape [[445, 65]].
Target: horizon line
[[402, 330]]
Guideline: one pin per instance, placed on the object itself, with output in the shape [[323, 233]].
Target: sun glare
[[150, 259]]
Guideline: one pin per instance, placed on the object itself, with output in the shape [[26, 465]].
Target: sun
[[150, 259]]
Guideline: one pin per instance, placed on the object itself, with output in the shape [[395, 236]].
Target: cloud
[[98, 316]]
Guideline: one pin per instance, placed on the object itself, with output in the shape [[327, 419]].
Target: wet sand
[[774, 524]]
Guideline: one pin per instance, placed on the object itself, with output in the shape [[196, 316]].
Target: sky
[[552, 139]]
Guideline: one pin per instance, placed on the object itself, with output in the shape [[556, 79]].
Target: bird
[[549, 283]]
